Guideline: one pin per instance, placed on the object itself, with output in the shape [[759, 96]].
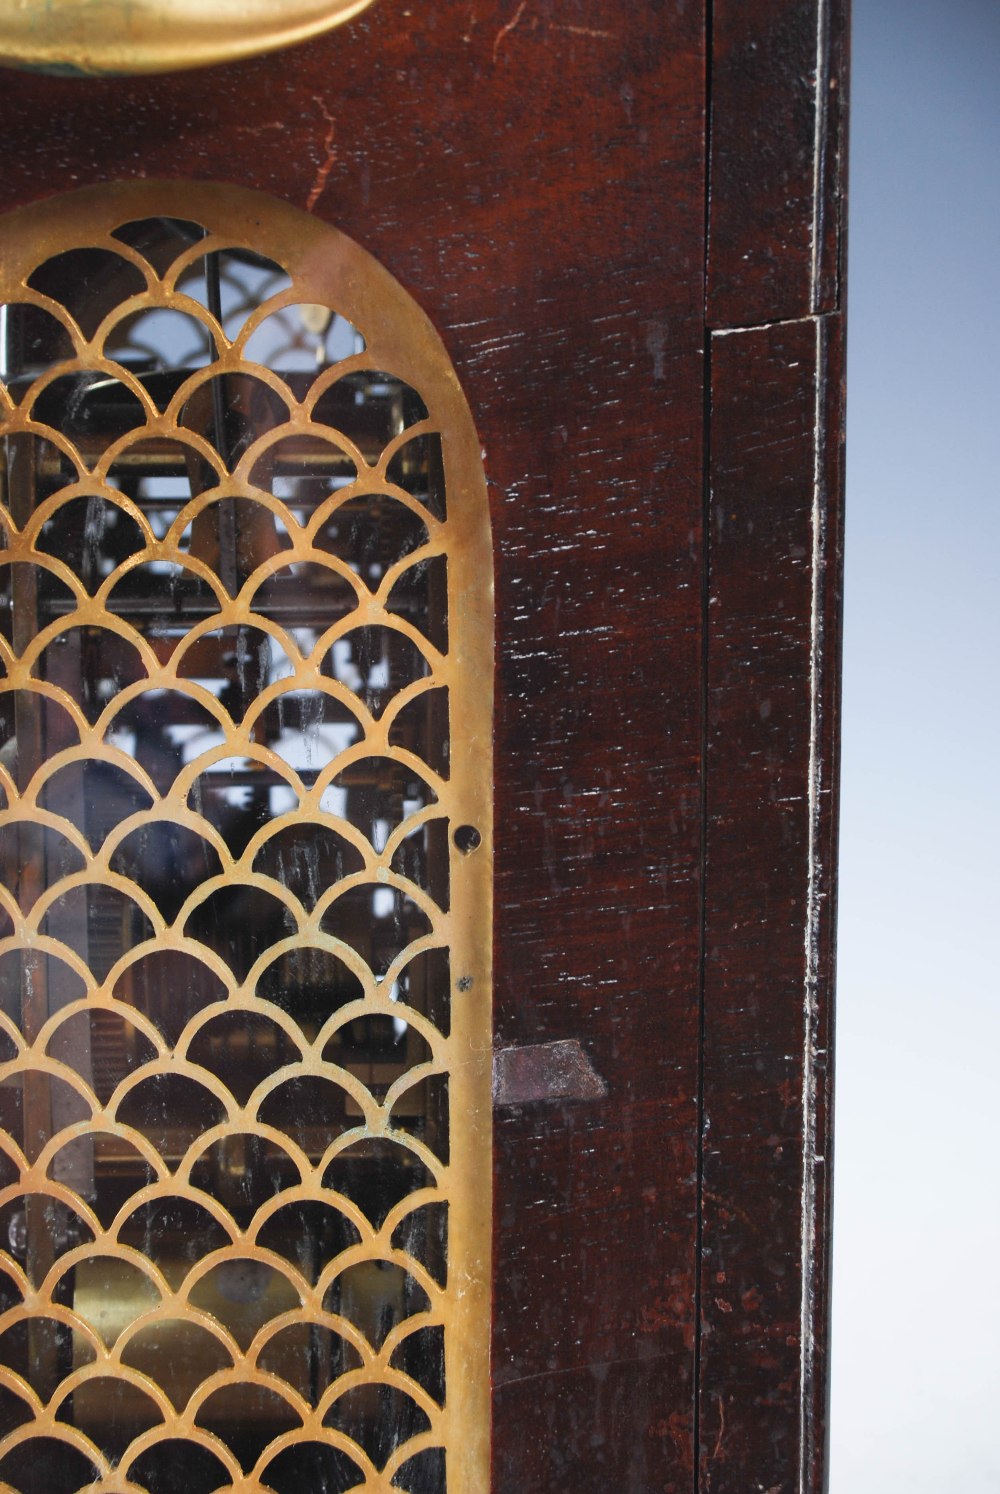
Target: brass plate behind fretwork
[[166, 1093]]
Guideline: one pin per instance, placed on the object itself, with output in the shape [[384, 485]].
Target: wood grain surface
[[535, 174], [770, 781]]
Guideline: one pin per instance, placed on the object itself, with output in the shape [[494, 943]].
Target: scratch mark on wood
[[716, 1450], [590, 31], [505, 31], [546, 1072], [329, 157]]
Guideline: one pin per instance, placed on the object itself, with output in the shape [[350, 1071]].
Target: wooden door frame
[[775, 296]]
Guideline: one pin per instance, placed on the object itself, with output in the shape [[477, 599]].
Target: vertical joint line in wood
[[819, 138], [706, 509], [814, 894], [707, 146], [706, 583]]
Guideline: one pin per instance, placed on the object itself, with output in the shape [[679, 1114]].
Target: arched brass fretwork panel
[[246, 650]]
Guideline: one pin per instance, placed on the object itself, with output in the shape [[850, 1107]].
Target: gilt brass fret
[[245, 726]]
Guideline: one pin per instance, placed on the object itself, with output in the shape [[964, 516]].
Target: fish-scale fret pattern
[[228, 930]]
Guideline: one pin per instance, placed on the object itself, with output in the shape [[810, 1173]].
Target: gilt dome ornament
[[156, 36]]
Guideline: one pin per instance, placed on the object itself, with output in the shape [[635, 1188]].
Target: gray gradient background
[[916, 1321]]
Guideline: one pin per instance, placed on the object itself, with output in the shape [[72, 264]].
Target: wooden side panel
[[772, 655], [534, 175], [598, 786], [777, 112]]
